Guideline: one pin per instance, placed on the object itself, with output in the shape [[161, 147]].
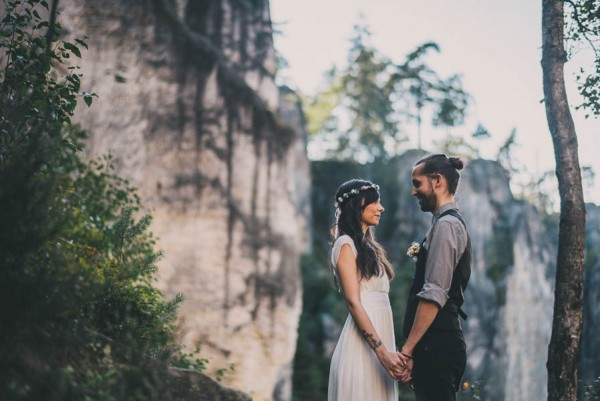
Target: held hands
[[407, 366], [391, 362], [398, 365]]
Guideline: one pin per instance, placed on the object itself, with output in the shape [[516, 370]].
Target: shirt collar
[[444, 208]]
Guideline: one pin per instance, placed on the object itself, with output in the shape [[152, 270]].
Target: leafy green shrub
[[79, 316], [592, 391]]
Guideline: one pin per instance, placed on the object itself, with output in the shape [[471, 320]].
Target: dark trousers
[[439, 363]]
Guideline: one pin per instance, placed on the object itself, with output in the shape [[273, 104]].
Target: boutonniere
[[413, 250]]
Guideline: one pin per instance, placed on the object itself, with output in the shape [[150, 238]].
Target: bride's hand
[[391, 363]]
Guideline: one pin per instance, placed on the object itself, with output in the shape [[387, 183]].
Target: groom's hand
[[406, 375], [407, 365]]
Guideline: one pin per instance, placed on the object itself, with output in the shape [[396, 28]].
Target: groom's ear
[[439, 181]]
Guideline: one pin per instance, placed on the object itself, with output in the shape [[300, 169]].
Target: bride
[[364, 362]]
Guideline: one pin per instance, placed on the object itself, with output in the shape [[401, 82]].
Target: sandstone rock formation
[[511, 295], [590, 342], [188, 105]]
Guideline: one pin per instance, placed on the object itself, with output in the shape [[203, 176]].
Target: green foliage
[[79, 316], [592, 391], [588, 86], [539, 190], [361, 93], [481, 132], [311, 364], [280, 61], [367, 88], [319, 108], [33, 98], [359, 115], [221, 373], [583, 30], [504, 156], [470, 391], [189, 360], [420, 86], [457, 146]]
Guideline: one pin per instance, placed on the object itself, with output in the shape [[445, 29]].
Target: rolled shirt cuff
[[434, 293]]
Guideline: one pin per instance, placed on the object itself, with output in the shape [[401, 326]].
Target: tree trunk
[[563, 351]]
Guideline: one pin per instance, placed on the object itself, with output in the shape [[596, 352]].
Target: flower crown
[[347, 195]]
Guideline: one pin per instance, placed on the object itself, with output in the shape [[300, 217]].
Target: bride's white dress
[[356, 374]]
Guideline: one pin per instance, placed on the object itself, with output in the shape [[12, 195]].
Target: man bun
[[456, 163], [439, 163]]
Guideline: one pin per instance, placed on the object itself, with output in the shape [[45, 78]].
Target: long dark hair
[[371, 259]]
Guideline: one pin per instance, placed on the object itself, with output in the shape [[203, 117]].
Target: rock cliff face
[[590, 341], [511, 293], [510, 298], [192, 386], [188, 105]]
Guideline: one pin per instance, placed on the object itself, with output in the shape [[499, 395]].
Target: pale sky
[[494, 45]]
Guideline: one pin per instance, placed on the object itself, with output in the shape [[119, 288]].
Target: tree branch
[[582, 28], [51, 25]]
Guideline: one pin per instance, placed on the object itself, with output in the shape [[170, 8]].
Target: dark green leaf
[[82, 43], [74, 49], [120, 79]]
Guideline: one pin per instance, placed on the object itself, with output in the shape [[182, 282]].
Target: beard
[[427, 202]]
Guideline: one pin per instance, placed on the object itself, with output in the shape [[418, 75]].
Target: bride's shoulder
[[341, 240]]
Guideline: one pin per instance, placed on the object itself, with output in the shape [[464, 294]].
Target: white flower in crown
[[353, 192]]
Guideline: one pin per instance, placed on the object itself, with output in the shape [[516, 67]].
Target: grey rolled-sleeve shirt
[[445, 243]]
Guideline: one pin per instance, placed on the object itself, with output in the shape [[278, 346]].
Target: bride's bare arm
[[349, 280]]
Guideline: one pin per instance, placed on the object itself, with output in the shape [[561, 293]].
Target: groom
[[434, 351]]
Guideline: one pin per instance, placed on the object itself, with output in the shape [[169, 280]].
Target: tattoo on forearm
[[373, 343]]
